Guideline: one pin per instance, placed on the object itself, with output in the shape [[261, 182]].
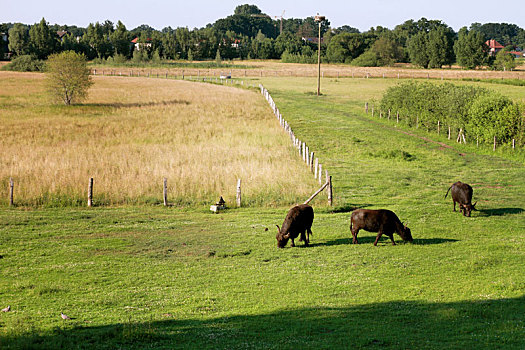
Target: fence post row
[[461, 134], [304, 151]]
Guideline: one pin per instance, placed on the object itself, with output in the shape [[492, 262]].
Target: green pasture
[[155, 277]]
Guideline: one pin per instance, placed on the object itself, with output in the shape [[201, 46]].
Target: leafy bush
[[367, 59], [494, 115], [298, 58], [481, 113], [25, 63]]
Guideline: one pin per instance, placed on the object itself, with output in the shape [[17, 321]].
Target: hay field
[[275, 68], [133, 132]]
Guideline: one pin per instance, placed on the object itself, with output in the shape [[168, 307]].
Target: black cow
[[298, 221], [382, 221], [462, 193]]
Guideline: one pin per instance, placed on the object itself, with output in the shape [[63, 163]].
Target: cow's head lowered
[[466, 209], [282, 237], [405, 234]]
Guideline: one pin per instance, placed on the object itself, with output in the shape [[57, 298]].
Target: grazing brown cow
[[382, 221], [462, 194], [298, 221]]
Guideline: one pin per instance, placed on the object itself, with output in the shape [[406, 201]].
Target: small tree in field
[[68, 77]]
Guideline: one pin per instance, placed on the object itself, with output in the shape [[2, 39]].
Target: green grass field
[[154, 277]]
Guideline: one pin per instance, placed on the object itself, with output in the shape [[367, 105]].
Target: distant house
[[517, 54], [494, 47], [61, 34], [236, 43], [138, 46]]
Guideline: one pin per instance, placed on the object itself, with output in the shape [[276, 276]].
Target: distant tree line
[[250, 34]]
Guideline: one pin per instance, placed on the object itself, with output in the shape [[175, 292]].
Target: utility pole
[[319, 19]]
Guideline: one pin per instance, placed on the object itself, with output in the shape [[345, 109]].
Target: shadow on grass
[[486, 324], [500, 211], [383, 240], [138, 104], [348, 208]]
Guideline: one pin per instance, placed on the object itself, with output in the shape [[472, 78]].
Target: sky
[[197, 13]]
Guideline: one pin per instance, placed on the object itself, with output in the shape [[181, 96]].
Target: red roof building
[[494, 47]]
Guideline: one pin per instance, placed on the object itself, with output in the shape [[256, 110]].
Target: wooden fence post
[[494, 148], [165, 192], [330, 190], [366, 107], [11, 191], [90, 193], [320, 173], [238, 197], [449, 132], [397, 117], [316, 166], [311, 164], [513, 143], [438, 127]]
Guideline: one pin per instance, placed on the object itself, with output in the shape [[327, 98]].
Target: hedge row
[[481, 113]]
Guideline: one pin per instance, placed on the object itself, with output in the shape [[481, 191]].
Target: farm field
[[202, 138], [275, 68], [136, 276]]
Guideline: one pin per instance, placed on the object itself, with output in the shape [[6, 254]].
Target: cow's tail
[[448, 191]]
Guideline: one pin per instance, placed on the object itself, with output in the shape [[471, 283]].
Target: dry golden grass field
[[133, 132], [275, 68]]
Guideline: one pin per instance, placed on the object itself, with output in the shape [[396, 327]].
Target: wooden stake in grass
[[239, 193], [11, 191], [494, 148], [438, 127], [330, 191], [90, 193], [165, 192], [366, 107]]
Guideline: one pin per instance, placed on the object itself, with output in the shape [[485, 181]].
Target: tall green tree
[[345, 47], [97, 40], [440, 47], [247, 10], [18, 39], [432, 48], [417, 49], [387, 50], [42, 41], [120, 39], [470, 48], [504, 61], [287, 42], [67, 77], [183, 37]]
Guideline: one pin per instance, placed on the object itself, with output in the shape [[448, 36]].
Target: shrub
[[494, 115], [25, 63], [482, 113], [367, 59]]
